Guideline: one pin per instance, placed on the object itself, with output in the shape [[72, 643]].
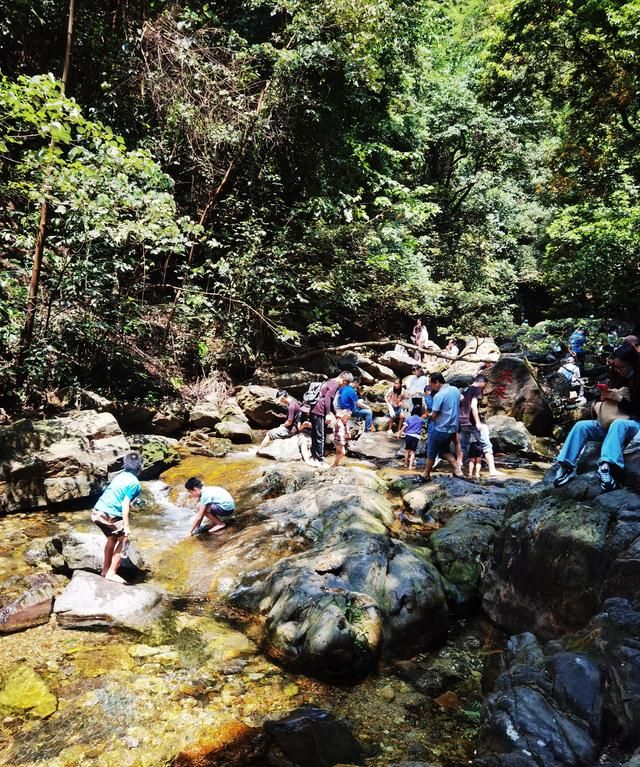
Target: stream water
[[131, 701]]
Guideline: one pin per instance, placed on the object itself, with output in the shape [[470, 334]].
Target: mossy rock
[[24, 691], [159, 454]]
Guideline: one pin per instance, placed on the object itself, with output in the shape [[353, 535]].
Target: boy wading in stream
[[111, 514], [214, 504]]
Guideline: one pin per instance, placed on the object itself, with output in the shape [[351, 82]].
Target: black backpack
[[312, 396]]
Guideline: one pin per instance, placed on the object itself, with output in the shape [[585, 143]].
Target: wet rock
[[260, 405], [204, 442], [560, 554], [31, 606], [238, 433], [569, 702], [378, 447], [230, 743], [59, 460], [313, 737], [158, 453], [68, 552], [511, 436], [90, 601], [23, 691], [512, 390]]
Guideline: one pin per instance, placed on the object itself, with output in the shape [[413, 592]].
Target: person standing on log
[[111, 514], [323, 408]]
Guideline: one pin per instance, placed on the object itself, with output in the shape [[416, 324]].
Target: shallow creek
[[132, 701]]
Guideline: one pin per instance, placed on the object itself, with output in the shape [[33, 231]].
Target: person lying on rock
[[340, 434], [214, 505], [295, 421], [618, 422], [111, 514]]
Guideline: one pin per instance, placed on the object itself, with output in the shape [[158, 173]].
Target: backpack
[[312, 396]]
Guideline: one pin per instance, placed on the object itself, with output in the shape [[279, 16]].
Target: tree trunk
[[34, 283]]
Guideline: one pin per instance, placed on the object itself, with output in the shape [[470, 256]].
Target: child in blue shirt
[[411, 431], [111, 514], [214, 503]]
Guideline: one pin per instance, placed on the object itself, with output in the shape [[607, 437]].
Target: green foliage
[[112, 222]]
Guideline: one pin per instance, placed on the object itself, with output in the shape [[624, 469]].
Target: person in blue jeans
[[347, 399], [626, 373]]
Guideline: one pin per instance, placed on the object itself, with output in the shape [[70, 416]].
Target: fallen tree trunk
[[381, 344]]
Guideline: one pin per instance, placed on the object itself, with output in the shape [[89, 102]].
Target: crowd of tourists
[[423, 410]]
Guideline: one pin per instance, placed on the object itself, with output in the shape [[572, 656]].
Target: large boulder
[[294, 381], [72, 551], [399, 360], [321, 567], [90, 601], [59, 460], [560, 554], [238, 433], [512, 390], [569, 703], [379, 447], [170, 420], [475, 352], [510, 436], [378, 371], [260, 405], [296, 448], [204, 415], [204, 442], [158, 453]]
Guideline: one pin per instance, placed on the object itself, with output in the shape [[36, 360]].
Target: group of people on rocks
[[447, 418], [426, 408]]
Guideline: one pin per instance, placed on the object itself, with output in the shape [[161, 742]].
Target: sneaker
[[564, 474], [607, 482]]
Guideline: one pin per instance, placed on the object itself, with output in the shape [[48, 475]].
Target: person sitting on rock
[[451, 350], [214, 504], [348, 398], [395, 398], [411, 431], [340, 434], [294, 423], [446, 413], [620, 428], [111, 514]]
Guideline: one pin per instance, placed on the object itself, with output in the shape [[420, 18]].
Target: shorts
[[111, 526], [411, 442], [475, 450], [213, 508], [339, 440], [280, 432], [397, 411], [439, 443]]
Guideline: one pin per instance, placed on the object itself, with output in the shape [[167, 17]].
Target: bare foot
[[114, 577], [216, 529], [498, 475]]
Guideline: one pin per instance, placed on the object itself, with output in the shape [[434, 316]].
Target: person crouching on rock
[[214, 504], [111, 514], [340, 434]]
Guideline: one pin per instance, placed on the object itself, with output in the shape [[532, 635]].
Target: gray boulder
[[260, 405], [204, 442], [401, 362], [59, 460], [238, 433], [379, 447], [510, 436], [377, 371], [27, 602], [90, 601], [296, 448], [85, 551], [560, 554], [204, 415], [512, 390]]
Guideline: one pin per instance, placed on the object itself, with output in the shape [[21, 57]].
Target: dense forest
[[196, 186]]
